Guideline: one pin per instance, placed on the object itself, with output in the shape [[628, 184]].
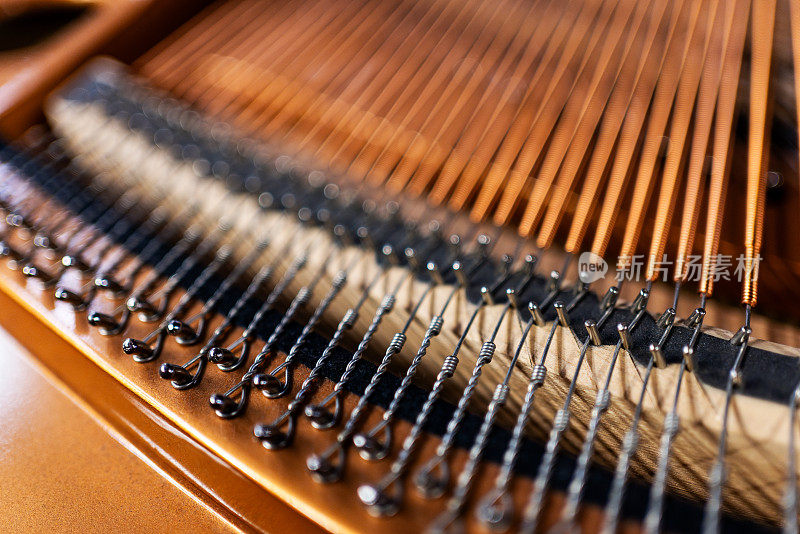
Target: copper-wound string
[[698, 165], [625, 86], [580, 115], [654, 140], [723, 125], [464, 169], [533, 126], [679, 133], [493, 108], [763, 26]]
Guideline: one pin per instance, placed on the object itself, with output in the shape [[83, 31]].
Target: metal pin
[[740, 336], [411, 258], [640, 301], [484, 244], [562, 314], [486, 296], [658, 356], [458, 271], [553, 288], [554, 282], [624, 336], [665, 321], [433, 270], [667, 318], [610, 298], [594, 335], [536, 313], [512, 298], [696, 317]]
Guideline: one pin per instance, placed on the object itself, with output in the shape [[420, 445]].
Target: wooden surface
[[122, 27], [79, 452], [62, 471]]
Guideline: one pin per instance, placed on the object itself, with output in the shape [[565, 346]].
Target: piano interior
[[399, 265]]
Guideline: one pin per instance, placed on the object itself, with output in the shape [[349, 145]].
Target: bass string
[[162, 58], [175, 63], [202, 86], [587, 100], [251, 108], [484, 71], [616, 96], [351, 129], [627, 82], [479, 142], [415, 170], [420, 28], [339, 123], [378, 32], [506, 84], [724, 120], [298, 99], [448, 81], [679, 132], [653, 143], [763, 26], [615, 125], [698, 165], [401, 107], [412, 96], [623, 165], [533, 122]]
